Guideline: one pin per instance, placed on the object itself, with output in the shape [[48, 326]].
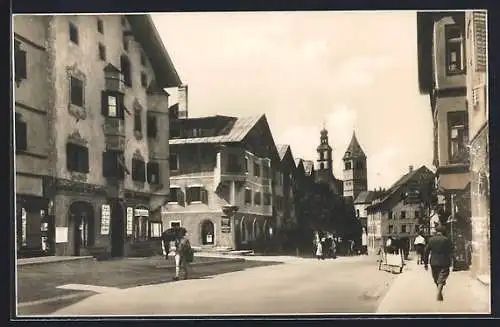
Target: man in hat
[[440, 249]]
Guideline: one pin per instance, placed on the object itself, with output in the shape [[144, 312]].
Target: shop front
[[34, 226]]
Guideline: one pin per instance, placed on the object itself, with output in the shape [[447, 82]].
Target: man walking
[[183, 255], [440, 249]]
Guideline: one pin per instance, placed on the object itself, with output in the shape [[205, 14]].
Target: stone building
[[92, 132], [221, 180], [453, 71], [355, 170], [401, 210]]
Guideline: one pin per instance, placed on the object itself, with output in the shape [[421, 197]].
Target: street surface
[[299, 285]]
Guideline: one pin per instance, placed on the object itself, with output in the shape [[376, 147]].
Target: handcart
[[391, 262]]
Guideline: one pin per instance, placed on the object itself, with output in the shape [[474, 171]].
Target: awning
[[453, 182]]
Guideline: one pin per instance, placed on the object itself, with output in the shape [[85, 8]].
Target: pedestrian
[[388, 245], [352, 247], [324, 248], [319, 250], [364, 242], [419, 244], [183, 255], [440, 249]]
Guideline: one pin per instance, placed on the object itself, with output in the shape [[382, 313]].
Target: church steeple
[[324, 152], [355, 169]]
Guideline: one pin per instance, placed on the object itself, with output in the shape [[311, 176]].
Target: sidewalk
[[414, 292]]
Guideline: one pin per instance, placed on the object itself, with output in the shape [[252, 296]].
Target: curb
[[54, 299], [67, 259], [208, 263]]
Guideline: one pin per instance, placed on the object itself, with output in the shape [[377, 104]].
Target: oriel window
[[458, 136], [454, 50], [112, 104]]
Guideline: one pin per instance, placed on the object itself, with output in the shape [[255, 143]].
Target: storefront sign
[[141, 212], [155, 229], [23, 226], [105, 218], [209, 238], [61, 234], [225, 225], [130, 219]]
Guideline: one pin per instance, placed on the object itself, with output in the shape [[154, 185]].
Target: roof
[[146, 34], [236, 131], [400, 183], [297, 161], [308, 166], [282, 148], [365, 197], [354, 149]]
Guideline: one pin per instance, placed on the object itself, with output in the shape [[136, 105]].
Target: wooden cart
[[391, 262]]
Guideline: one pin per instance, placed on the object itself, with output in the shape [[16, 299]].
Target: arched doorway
[[207, 233], [81, 226], [117, 229]]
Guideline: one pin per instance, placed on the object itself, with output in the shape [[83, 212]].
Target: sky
[[347, 71]]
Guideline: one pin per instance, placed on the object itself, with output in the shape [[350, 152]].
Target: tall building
[[355, 170], [91, 133], [221, 181], [324, 168], [453, 71]]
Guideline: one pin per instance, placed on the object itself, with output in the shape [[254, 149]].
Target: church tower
[[324, 169], [355, 170]]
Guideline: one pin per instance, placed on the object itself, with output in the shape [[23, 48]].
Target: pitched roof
[[354, 149], [235, 131], [400, 183], [365, 197], [282, 148], [297, 161], [308, 166]]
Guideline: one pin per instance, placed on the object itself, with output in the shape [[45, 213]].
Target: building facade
[[287, 202], [401, 210], [90, 101], [222, 188]]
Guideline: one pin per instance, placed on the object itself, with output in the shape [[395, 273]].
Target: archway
[[207, 233], [81, 226], [117, 229]]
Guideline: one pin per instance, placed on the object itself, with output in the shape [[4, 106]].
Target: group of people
[[325, 247], [180, 248]]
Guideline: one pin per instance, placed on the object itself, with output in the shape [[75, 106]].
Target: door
[[207, 233], [117, 230], [81, 224]]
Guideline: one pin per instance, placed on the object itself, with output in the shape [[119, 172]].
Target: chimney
[[182, 92], [410, 168]]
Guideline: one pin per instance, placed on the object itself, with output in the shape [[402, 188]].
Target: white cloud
[[381, 167]]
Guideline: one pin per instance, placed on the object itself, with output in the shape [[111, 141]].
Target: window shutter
[[20, 65], [84, 160], [480, 42], [107, 164], [204, 196], [104, 103], [188, 195]]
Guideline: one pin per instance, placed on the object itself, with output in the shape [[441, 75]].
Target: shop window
[[153, 173], [112, 104], [257, 198], [347, 166], [256, 169], [457, 136], [248, 196], [73, 33], [174, 162], [76, 91], [77, 158], [144, 79], [454, 50], [100, 26], [102, 52], [151, 126], [267, 199], [114, 164], [126, 70], [21, 134], [20, 63], [137, 121], [138, 170]]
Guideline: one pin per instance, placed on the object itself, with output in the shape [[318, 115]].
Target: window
[[357, 212], [112, 104], [458, 136], [321, 166], [144, 79], [403, 228], [391, 229], [126, 70], [233, 164], [152, 126], [175, 224], [248, 196], [73, 33], [390, 214], [20, 69], [100, 26], [321, 155], [174, 162], [21, 134], [77, 158], [403, 214], [347, 165], [359, 165], [143, 59], [266, 171], [247, 164], [267, 199], [125, 42], [153, 173], [140, 228], [76, 91], [113, 164], [138, 170], [454, 50], [137, 121], [194, 194], [175, 194], [417, 214], [175, 132], [256, 169], [257, 198], [102, 52]]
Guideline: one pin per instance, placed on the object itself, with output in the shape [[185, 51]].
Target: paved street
[[40, 286], [345, 285]]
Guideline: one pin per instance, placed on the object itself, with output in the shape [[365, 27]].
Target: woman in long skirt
[[319, 250]]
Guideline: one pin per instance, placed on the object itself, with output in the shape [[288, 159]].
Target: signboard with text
[[130, 219], [105, 218]]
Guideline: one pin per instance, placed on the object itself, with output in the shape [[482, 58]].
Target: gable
[[260, 140]]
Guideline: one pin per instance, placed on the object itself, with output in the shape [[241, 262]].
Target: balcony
[[114, 133]]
